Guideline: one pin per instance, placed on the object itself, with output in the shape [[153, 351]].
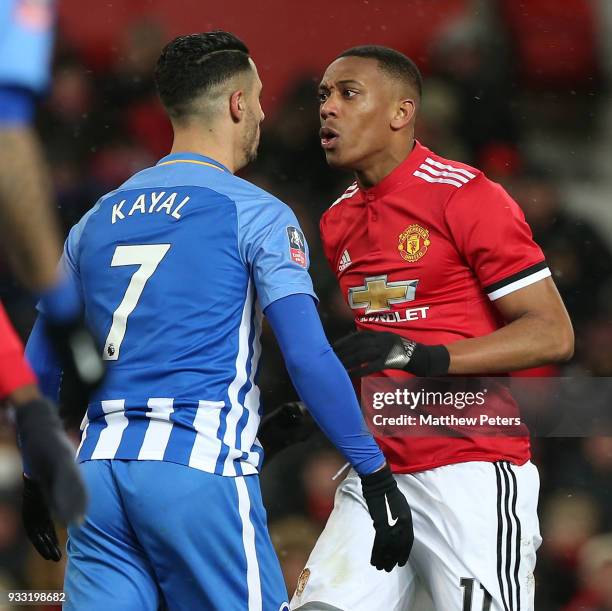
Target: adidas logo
[[345, 261]]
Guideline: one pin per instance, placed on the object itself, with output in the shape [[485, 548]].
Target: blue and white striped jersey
[[175, 268], [26, 41]]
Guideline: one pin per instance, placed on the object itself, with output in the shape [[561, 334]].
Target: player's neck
[[381, 165], [189, 141]]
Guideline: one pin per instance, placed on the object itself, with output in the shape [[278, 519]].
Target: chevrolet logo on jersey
[[377, 295]]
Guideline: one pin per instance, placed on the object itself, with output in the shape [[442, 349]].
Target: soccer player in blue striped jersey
[[176, 269]]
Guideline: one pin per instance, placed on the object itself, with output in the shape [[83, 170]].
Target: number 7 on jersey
[[147, 257]]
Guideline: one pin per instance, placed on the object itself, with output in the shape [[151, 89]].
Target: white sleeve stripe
[[447, 181], [520, 284], [444, 166], [445, 173]]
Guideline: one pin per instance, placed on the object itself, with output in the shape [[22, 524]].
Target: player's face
[[356, 104], [253, 118]]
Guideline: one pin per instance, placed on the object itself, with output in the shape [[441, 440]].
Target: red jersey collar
[[401, 174]]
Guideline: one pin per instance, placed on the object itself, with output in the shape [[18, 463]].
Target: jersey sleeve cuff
[[529, 275]]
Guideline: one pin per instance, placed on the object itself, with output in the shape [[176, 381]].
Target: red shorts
[[15, 371]]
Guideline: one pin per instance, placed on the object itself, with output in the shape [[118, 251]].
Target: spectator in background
[[129, 99], [569, 520], [589, 471], [596, 348], [131, 79], [578, 257], [470, 58], [68, 120], [595, 570], [69, 125]]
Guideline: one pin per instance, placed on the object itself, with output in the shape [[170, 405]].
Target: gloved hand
[[50, 459], [366, 352], [82, 366], [285, 425], [37, 521], [392, 519]]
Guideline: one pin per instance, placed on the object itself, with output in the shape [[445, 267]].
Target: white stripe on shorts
[[248, 540]]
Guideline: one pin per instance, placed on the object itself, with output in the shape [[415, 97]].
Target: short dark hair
[[191, 65], [394, 63]]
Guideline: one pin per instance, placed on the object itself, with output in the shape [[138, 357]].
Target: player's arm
[[31, 237], [325, 388], [43, 360], [65, 493], [538, 332], [30, 231], [29, 225], [53, 485], [321, 381]]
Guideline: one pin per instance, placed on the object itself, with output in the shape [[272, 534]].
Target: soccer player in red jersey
[[441, 271]]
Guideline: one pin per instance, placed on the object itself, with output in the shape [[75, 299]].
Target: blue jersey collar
[[191, 158]]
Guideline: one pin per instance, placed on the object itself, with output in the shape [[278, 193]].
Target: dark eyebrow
[[343, 82]]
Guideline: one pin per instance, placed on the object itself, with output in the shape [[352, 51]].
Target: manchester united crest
[[413, 243], [302, 581]]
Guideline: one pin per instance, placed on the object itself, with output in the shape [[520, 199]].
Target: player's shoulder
[[446, 175], [247, 195]]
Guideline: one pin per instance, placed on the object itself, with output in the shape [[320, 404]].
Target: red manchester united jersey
[[424, 254]]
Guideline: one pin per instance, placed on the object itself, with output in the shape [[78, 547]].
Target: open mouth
[[329, 137]]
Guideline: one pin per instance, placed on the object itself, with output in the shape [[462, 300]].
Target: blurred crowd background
[[520, 89]]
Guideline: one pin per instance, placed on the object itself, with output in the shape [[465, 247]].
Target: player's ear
[[237, 105], [404, 113]]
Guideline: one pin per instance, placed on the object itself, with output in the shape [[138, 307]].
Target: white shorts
[[476, 533]]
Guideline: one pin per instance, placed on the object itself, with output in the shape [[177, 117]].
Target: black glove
[[366, 352], [50, 458], [285, 425], [37, 521], [82, 366], [392, 519]]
